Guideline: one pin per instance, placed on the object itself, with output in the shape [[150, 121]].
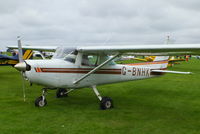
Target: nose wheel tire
[[61, 92], [106, 103], [40, 101]]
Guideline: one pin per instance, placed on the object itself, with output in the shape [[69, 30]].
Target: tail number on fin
[[141, 72]]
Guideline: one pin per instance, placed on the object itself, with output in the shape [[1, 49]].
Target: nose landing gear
[[41, 101]]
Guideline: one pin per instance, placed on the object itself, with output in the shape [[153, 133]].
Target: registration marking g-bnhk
[[137, 71]]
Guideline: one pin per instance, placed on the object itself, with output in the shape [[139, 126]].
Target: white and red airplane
[[88, 66]]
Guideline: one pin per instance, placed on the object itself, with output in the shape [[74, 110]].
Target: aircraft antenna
[[168, 39]]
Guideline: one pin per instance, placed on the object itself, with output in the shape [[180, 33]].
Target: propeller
[[22, 66], [20, 49]]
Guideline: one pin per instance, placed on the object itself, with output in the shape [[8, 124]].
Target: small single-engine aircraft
[[172, 60], [88, 66], [6, 60]]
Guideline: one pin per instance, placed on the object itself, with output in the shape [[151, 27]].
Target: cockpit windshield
[[70, 55], [63, 52]]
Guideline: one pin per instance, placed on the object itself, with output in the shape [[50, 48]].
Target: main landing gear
[[61, 92], [105, 102], [41, 101]]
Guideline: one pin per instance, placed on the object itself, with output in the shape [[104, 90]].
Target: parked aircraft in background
[[172, 60], [6, 60], [88, 66], [43, 54]]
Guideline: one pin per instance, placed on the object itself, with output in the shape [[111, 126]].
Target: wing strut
[[95, 69]]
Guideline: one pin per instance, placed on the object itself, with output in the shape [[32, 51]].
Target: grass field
[[164, 105]]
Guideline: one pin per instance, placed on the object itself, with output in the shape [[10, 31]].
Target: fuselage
[[58, 73]]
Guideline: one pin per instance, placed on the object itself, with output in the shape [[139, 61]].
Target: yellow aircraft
[[172, 60], [6, 60]]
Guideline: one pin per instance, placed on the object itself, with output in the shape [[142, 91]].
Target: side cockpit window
[[95, 60], [89, 60]]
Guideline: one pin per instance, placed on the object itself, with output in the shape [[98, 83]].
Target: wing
[[40, 48], [170, 49], [155, 50]]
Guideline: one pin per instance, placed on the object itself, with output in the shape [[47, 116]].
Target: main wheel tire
[[61, 92], [106, 103], [39, 102]]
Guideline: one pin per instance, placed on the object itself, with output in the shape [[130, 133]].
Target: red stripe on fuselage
[[77, 70]]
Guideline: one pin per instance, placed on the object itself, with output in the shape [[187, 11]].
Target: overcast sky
[[72, 22]]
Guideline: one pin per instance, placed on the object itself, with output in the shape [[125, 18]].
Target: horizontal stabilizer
[[167, 71]]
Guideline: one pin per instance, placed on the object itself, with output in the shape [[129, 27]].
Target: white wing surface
[[169, 49]]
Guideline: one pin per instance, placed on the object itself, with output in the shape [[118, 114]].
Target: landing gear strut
[[105, 102], [41, 101]]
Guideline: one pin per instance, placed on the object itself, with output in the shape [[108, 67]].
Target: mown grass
[[163, 105]]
